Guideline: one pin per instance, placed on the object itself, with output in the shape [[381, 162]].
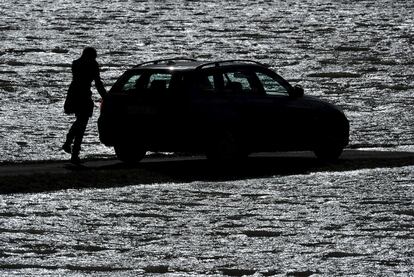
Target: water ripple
[[345, 52]]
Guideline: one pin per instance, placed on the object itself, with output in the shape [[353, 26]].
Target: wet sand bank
[[56, 175]]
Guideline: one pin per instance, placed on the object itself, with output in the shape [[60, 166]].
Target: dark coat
[[79, 98]]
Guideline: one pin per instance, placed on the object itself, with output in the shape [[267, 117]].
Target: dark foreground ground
[[55, 175]]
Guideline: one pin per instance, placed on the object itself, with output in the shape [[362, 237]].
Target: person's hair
[[89, 53]]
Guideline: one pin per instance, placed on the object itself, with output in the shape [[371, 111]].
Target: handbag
[[69, 106]]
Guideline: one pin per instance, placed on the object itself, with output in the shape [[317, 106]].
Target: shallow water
[[355, 223], [356, 54]]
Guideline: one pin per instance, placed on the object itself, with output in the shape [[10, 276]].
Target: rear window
[[131, 83], [141, 82]]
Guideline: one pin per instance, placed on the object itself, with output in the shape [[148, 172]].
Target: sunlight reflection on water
[[357, 55], [327, 223]]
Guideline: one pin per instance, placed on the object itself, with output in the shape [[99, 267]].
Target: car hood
[[321, 104]]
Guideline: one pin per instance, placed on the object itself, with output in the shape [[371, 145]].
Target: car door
[[166, 107], [141, 100], [242, 107], [289, 118], [261, 115], [211, 110]]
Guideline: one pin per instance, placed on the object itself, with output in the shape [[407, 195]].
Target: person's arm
[[100, 87], [98, 83]]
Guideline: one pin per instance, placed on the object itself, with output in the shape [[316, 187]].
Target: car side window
[[237, 82], [130, 84], [207, 84], [144, 82], [271, 86], [159, 81]]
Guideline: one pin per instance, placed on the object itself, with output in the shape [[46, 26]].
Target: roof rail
[[171, 60], [218, 63]]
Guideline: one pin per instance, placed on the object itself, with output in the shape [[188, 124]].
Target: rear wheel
[[130, 153]]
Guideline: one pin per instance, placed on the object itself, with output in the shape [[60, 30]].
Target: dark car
[[225, 109]]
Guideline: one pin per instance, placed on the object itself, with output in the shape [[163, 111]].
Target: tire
[[225, 147], [129, 153], [328, 152]]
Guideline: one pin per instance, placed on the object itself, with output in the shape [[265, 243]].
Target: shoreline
[[40, 176]]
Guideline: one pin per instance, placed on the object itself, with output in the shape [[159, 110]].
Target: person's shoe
[[75, 160], [66, 147]]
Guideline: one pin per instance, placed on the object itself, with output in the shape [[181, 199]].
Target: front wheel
[[129, 153]]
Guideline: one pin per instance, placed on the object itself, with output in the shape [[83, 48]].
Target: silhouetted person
[[84, 71]]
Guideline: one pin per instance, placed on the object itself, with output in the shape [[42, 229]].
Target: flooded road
[[322, 222]]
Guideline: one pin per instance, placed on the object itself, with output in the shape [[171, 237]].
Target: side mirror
[[297, 91]]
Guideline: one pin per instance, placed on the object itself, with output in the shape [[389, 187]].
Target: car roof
[[184, 64]]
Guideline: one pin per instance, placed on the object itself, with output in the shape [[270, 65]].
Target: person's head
[[89, 53]]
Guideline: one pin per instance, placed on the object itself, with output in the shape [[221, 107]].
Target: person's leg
[[79, 131], [67, 146]]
